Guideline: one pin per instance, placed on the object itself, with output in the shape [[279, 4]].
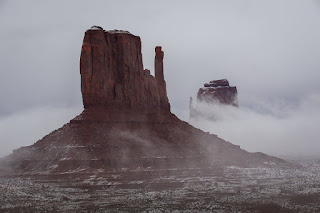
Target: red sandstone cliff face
[[112, 73]]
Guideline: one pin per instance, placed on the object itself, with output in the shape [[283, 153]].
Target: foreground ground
[[225, 189]]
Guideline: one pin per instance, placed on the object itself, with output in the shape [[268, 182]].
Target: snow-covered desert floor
[[222, 189]]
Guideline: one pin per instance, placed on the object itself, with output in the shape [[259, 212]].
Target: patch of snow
[[96, 28], [118, 31]]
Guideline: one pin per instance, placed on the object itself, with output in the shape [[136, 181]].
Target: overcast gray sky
[[269, 49]]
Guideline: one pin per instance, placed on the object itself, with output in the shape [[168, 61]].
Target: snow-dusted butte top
[[109, 31], [218, 83], [218, 91]]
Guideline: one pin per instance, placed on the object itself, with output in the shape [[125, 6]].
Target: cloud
[[27, 127], [278, 129]]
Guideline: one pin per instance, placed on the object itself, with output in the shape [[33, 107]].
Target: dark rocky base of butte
[[126, 122]]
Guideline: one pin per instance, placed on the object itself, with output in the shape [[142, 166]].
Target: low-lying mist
[[280, 129], [27, 127]]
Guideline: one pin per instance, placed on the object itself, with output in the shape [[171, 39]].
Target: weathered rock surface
[[218, 91], [112, 73], [214, 92], [126, 122]]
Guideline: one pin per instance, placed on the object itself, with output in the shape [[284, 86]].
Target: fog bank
[[277, 129], [27, 127]]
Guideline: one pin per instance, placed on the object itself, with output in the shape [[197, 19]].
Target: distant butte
[[218, 91], [126, 121], [214, 92]]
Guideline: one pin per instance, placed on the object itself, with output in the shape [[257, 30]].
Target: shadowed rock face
[[112, 73], [126, 122]]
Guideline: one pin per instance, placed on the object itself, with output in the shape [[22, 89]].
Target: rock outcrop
[[218, 91], [126, 122], [214, 92], [112, 73]]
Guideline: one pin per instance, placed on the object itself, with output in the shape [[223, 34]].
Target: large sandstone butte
[[126, 122], [112, 73]]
